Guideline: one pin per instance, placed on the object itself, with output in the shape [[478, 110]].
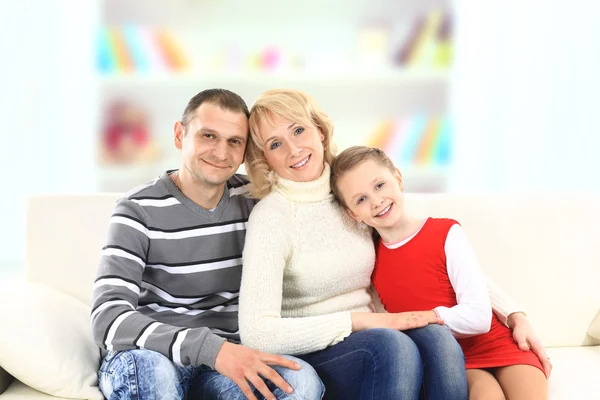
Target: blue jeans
[[444, 373], [148, 375], [389, 364]]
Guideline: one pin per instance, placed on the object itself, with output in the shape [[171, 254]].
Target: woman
[[307, 268]]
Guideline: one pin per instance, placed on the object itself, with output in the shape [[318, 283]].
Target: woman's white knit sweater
[[307, 266]]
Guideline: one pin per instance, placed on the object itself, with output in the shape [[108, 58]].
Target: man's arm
[[116, 325]]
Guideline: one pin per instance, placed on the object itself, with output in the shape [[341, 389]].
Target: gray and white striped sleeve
[[116, 323]]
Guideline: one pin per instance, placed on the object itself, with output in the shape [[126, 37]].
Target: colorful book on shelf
[[418, 140], [428, 143], [398, 138], [119, 50], [172, 52], [443, 56], [428, 42], [441, 155], [133, 48], [407, 50], [148, 46], [413, 138], [425, 46], [104, 53], [381, 135]]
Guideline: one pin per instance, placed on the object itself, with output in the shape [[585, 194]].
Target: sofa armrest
[[5, 380]]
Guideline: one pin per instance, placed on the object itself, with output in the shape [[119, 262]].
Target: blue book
[[442, 152], [136, 48], [414, 134], [105, 61]]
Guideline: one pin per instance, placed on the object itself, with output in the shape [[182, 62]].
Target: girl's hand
[[398, 321]]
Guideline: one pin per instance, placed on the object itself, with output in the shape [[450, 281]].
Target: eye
[[235, 142], [209, 135], [379, 185], [360, 200], [274, 145], [298, 130]]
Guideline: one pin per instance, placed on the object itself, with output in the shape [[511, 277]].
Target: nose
[[295, 150], [220, 150], [377, 200]]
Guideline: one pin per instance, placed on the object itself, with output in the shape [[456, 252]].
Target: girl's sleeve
[[473, 313]]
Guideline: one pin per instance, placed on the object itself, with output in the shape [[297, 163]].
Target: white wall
[[525, 96], [47, 107]]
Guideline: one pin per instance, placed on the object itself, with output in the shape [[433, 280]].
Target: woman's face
[[292, 149]]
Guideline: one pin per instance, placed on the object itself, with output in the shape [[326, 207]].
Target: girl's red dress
[[413, 277]]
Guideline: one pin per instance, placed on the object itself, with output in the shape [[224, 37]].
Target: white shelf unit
[[356, 99], [381, 77]]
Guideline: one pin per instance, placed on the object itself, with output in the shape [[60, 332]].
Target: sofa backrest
[[542, 250], [65, 235]]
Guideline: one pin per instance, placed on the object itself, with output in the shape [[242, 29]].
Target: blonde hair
[[350, 159], [292, 105]]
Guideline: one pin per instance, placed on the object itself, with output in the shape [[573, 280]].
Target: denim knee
[[442, 344], [393, 346], [306, 382], [139, 374], [396, 361]]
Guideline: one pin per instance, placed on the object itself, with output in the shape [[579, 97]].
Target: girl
[[430, 265]]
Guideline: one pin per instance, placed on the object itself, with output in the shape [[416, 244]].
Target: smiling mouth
[[301, 163], [216, 165], [385, 211]]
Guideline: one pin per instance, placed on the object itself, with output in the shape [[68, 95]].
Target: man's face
[[213, 143]]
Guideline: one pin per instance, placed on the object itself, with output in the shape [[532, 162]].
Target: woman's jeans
[[389, 364], [148, 375]]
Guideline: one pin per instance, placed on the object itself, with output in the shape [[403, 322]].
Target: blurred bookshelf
[[388, 77], [380, 69]]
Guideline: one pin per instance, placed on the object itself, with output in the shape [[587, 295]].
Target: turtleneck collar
[[305, 192]]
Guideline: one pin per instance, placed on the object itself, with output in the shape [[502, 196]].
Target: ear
[[398, 176], [353, 216], [179, 132], [322, 136]]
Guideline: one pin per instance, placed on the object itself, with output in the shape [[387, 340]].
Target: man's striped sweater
[[169, 274]]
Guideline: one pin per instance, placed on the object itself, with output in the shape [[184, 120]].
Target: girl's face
[[292, 149], [373, 194]]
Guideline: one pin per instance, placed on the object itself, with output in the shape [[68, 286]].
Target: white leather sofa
[[543, 250]]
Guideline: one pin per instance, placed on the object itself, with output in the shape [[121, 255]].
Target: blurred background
[[465, 96]]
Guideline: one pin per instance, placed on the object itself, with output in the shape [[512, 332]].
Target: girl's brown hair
[[350, 159]]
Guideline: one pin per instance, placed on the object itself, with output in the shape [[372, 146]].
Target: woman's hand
[[527, 340], [398, 321]]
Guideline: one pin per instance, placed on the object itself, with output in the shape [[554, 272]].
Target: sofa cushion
[[20, 391], [594, 329], [46, 342], [575, 373]]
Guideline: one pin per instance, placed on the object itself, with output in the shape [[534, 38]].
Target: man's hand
[[242, 365], [399, 321], [527, 340]]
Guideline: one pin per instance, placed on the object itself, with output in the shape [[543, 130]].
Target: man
[[165, 299]]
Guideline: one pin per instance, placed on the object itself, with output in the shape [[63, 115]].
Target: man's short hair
[[222, 98]]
